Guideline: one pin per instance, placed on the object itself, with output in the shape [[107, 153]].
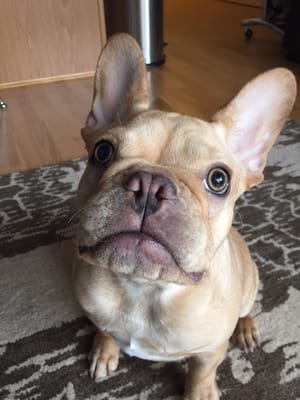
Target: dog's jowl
[[159, 269]]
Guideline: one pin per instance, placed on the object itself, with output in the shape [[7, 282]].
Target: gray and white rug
[[44, 338]]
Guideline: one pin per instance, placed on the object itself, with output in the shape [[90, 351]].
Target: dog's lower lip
[[146, 243], [140, 236]]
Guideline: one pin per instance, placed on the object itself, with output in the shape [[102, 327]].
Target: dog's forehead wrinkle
[[170, 138], [194, 151]]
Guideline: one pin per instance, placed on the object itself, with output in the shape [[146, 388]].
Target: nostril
[[159, 195], [164, 189], [137, 185], [138, 182], [133, 184], [162, 194]]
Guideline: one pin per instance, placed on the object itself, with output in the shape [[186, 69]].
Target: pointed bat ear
[[120, 88], [255, 117]]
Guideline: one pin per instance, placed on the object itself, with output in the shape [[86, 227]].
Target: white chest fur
[[136, 347], [138, 324], [146, 322]]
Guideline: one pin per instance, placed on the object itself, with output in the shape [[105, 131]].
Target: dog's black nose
[[149, 191]]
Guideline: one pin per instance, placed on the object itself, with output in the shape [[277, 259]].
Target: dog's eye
[[217, 181], [104, 153]]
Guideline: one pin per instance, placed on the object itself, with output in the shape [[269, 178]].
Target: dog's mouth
[[139, 254]]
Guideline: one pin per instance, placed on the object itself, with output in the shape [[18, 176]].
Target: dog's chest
[[159, 324], [139, 326], [144, 347]]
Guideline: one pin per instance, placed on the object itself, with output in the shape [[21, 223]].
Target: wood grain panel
[[48, 38], [41, 124]]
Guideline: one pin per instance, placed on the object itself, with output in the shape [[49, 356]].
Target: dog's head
[[159, 189]]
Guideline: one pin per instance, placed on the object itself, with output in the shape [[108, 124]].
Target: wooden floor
[[208, 60]]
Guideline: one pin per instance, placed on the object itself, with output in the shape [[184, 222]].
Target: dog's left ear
[[120, 88], [255, 117]]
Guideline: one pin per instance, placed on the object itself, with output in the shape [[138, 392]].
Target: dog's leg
[[245, 335], [201, 377], [104, 356]]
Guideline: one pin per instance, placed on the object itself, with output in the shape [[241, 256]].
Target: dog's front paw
[[245, 335], [104, 356]]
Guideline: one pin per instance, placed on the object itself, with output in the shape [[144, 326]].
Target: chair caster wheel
[[248, 32]]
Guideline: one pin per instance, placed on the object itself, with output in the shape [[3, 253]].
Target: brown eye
[[104, 153], [217, 181]]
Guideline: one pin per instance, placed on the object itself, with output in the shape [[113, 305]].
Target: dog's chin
[[138, 255]]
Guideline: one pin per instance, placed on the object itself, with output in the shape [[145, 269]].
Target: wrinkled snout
[[144, 222]]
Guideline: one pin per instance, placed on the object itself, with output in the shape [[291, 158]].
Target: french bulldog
[[159, 269]]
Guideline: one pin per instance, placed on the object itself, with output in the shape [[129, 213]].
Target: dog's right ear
[[120, 88]]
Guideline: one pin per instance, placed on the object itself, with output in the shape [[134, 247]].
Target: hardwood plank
[[208, 53]]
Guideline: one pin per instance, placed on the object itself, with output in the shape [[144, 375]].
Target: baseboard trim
[[48, 79]]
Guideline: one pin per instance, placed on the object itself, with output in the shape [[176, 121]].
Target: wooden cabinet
[[44, 40]]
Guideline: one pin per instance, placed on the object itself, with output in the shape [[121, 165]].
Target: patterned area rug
[[44, 338]]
